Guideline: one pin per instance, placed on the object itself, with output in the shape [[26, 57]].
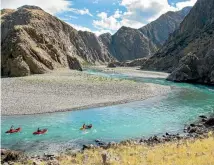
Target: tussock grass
[[184, 152]]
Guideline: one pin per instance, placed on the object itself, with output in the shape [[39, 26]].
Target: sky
[[101, 16]]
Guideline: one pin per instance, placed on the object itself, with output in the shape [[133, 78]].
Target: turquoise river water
[[153, 116]]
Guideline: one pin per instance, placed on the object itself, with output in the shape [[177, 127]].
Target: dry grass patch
[[184, 152]]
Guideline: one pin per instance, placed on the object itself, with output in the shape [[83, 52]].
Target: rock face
[[34, 42], [159, 30], [129, 44], [92, 49], [106, 39], [189, 52]]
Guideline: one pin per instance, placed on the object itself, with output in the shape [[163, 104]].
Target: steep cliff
[[189, 52], [159, 30], [130, 44], [34, 42]]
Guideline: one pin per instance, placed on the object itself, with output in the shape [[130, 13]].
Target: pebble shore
[[65, 90]]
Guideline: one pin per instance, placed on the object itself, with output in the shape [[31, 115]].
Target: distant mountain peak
[[129, 43], [160, 29], [30, 7], [105, 34]]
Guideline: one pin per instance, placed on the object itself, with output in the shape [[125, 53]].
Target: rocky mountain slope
[[158, 31], [189, 52], [34, 42], [129, 44]]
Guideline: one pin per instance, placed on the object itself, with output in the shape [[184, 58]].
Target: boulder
[[111, 65], [209, 122], [12, 156], [203, 117], [73, 63], [187, 69], [100, 143], [87, 146]]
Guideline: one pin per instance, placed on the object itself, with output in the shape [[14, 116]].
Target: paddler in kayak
[[42, 131], [86, 126], [38, 130], [11, 128]]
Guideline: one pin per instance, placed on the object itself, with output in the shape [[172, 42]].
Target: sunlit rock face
[[35, 42]]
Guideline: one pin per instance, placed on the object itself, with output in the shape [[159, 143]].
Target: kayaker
[[11, 128], [38, 130]]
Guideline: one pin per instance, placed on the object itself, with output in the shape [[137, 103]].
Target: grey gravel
[[65, 90]]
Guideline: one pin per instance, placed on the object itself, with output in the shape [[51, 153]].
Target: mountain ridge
[[166, 24], [189, 53], [35, 42], [129, 43]]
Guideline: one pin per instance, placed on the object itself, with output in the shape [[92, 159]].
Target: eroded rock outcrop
[[189, 52], [35, 42], [93, 48]]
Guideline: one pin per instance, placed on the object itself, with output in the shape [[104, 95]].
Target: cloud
[[131, 23], [105, 22], [67, 17], [181, 5], [145, 10], [115, 21], [99, 32], [80, 11], [51, 6], [79, 27], [82, 28], [71, 16]]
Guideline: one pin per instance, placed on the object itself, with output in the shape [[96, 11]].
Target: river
[[138, 119]]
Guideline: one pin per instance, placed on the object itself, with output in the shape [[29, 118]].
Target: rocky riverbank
[[201, 129]]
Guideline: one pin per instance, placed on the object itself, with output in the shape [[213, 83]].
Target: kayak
[[87, 127], [40, 132], [13, 130]]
